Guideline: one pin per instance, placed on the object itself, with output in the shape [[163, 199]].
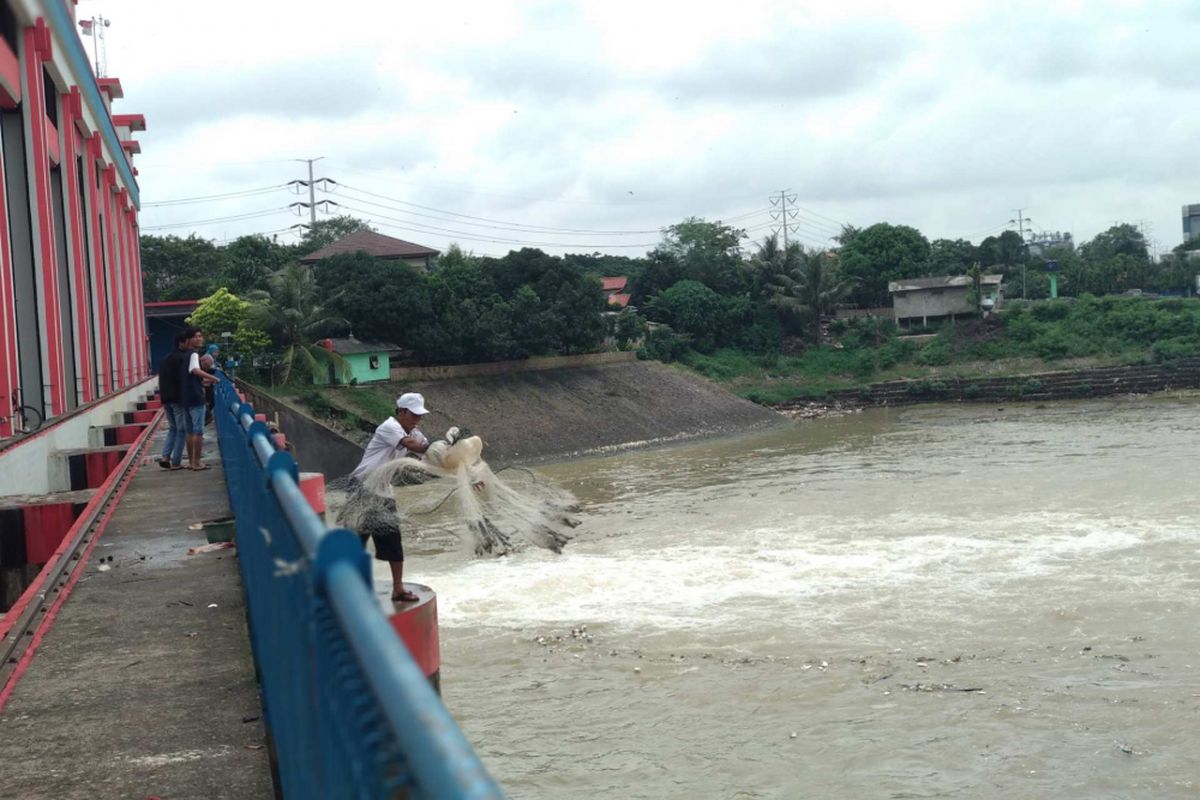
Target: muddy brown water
[[939, 601]]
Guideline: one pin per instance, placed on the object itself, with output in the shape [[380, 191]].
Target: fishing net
[[492, 515]]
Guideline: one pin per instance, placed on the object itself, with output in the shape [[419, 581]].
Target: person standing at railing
[[376, 517], [191, 393], [170, 373]]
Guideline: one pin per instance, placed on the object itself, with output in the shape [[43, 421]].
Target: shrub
[[1049, 310], [926, 388], [972, 391], [936, 353], [663, 344], [1166, 350]]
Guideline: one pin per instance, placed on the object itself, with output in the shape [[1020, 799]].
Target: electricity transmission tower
[[782, 212], [311, 185], [1021, 221]]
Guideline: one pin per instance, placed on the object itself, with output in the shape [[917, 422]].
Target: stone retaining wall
[[1141, 379]]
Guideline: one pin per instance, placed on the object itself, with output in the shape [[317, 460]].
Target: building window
[[374, 361]]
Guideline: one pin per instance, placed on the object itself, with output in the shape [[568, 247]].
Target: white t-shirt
[[193, 362], [384, 446]]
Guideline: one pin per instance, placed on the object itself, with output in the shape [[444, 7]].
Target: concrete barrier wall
[[27, 466], [315, 447], [509, 367]]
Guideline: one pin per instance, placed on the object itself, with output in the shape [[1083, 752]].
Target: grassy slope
[[1045, 337]]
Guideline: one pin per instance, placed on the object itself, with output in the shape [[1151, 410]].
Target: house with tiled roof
[[387, 248], [615, 290]]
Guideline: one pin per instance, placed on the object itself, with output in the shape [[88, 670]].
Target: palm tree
[[294, 318], [810, 288]]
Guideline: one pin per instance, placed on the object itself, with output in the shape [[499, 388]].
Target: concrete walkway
[[142, 688]]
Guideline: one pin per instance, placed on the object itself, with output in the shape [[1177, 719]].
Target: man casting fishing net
[[491, 515], [373, 513]]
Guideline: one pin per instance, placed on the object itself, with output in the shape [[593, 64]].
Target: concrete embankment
[[1066, 385], [542, 416]]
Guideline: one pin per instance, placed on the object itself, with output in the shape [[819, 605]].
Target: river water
[[937, 601]]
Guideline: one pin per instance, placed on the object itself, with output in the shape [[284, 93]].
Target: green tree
[[385, 301], [292, 314], [250, 260], [628, 329], [811, 289], [1006, 250], [951, 256], [691, 308], [180, 269], [222, 312], [879, 254], [327, 231], [708, 252]]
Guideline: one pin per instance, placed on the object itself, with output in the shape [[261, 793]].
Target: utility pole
[[784, 201], [312, 198], [1020, 222]]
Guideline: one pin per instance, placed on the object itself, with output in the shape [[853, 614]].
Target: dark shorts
[[374, 517]]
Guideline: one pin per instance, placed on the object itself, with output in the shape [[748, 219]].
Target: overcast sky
[[557, 123]]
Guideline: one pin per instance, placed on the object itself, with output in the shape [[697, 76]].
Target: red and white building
[[72, 327]]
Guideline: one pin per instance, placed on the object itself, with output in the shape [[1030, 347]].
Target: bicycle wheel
[[29, 419]]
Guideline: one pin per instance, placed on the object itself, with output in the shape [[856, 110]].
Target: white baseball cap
[[412, 401]]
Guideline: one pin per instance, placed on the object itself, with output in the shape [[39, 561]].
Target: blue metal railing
[[349, 710]]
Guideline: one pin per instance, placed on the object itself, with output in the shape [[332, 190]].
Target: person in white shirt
[[376, 517]]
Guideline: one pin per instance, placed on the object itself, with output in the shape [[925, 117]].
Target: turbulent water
[[943, 601]]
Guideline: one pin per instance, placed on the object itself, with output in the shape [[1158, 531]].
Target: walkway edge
[[95, 519]]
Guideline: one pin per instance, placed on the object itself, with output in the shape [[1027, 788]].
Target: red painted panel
[[45, 527], [144, 416], [417, 625], [37, 50], [127, 434], [10, 77], [71, 104], [52, 142], [100, 465], [102, 276], [116, 277]]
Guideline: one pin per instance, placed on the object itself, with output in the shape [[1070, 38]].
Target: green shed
[[365, 362]]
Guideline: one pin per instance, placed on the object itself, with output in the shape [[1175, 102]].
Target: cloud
[[330, 88], [793, 65]]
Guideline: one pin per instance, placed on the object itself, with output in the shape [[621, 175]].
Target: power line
[[214, 197], [471, 236], [216, 220], [513, 225]]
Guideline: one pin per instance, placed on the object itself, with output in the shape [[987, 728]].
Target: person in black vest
[[192, 380], [169, 372]]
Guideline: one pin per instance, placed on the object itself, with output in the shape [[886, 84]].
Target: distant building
[[1191, 222], [366, 362], [614, 290], [1046, 240], [72, 328], [164, 320], [921, 301], [387, 248]]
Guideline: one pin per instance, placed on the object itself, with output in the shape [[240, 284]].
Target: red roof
[[614, 284], [373, 244], [620, 300]]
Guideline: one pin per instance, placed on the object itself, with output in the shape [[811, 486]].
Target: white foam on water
[[815, 569]]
